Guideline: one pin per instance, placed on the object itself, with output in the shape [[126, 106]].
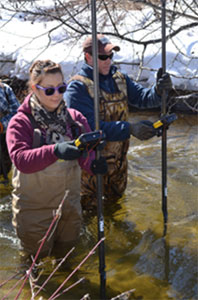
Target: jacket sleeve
[[9, 104], [140, 97], [19, 138], [78, 97]]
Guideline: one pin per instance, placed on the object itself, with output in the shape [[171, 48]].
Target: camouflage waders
[[113, 107]]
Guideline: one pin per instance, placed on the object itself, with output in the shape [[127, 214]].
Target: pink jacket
[[19, 138]]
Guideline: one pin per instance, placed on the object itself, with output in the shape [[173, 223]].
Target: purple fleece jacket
[[19, 138]]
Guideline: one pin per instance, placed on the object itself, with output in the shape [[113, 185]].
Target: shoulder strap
[[120, 81], [87, 82], [38, 139], [76, 127], [32, 120], [118, 77]]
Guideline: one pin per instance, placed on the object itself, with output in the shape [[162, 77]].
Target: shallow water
[[136, 254]]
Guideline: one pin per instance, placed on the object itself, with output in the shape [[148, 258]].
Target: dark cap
[[104, 45]]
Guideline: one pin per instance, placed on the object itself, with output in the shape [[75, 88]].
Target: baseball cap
[[104, 45]]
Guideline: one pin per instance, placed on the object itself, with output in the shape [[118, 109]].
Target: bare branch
[[127, 20]]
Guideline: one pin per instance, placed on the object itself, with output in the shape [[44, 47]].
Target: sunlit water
[[136, 254]]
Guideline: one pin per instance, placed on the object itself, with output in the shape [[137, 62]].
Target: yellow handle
[[157, 124], [77, 143]]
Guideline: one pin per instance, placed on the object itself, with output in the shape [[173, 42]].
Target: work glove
[[163, 82], [142, 130], [99, 166], [67, 150]]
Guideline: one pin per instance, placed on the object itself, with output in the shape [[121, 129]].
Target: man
[[117, 91], [8, 108]]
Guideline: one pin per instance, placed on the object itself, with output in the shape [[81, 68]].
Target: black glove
[[67, 150], [163, 82], [99, 166], [142, 130]]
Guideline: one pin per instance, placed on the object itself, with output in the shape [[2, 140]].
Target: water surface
[[136, 254]]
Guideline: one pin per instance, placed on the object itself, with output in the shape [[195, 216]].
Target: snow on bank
[[23, 41]]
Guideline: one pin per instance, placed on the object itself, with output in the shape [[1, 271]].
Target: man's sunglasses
[[105, 57], [49, 91]]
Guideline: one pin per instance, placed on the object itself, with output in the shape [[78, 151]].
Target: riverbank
[[182, 101]]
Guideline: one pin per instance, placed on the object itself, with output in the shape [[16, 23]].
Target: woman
[[40, 140]]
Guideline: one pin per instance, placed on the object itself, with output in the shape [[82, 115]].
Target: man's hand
[[163, 82], [142, 130], [67, 150]]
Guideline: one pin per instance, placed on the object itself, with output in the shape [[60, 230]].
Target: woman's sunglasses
[[49, 91], [105, 57]]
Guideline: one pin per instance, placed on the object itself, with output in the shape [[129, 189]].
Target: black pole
[[99, 177], [164, 131]]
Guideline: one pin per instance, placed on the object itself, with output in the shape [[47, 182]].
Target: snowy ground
[[23, 41]]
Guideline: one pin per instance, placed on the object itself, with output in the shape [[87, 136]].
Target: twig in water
[[15, 285], [86, 297], [57, 214], [78, 267], [10, 278], [64, 258], [124, 296], [70, 287], [33, 285], [41, 245]]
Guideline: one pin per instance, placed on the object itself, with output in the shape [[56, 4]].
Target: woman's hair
[[40, 68]]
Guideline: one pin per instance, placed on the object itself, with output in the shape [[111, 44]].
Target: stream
[[137, 256]]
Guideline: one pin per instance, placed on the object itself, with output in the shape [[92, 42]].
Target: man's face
[[104, 62]]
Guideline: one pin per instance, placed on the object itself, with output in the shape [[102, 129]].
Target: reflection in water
[[137, 256]]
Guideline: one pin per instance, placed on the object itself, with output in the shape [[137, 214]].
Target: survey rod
[[164, 130], [98, 176]]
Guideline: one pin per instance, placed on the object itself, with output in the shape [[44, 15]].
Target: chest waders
[[113, 107], [35, 196]]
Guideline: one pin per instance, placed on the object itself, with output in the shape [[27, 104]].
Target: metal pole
[[164, 131], [99, 177]]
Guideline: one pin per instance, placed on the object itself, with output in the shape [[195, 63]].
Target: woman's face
[[50, 103]]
